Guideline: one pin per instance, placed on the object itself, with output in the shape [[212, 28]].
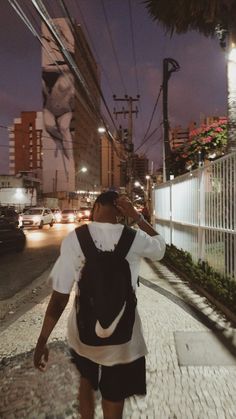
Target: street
[[42, 249], [190, 373]]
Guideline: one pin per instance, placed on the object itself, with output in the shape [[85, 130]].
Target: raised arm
[[127, 209]]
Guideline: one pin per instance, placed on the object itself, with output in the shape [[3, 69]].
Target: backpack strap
[[125, 242], [90, 250], [86, 242]]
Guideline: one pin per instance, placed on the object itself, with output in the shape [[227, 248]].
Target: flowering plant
[[211, 139], [205, 143]]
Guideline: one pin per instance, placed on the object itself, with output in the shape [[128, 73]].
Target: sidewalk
[[190, 374]]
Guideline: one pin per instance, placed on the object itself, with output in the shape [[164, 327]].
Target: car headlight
[[71, 217], [36, 219], [58, 217], [87, 213]]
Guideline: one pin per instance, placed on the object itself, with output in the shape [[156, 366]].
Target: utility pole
[[129, 147], [169, 66]]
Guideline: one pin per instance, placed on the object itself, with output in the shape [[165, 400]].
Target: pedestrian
[[117, 370]]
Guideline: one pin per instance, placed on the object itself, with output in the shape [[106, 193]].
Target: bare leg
[[86, 399], [112, 410]]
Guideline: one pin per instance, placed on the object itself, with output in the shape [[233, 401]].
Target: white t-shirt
[[67, 270]]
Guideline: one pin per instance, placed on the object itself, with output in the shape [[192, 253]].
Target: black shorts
[[116, 382]]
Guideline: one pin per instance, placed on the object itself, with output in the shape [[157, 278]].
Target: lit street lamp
[[231, 76], [101, 130]]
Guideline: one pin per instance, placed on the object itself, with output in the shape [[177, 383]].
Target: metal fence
[[197, 212]]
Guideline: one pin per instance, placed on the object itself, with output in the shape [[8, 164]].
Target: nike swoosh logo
[[105, 333]]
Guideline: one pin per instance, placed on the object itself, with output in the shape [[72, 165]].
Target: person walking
[[117, 370]]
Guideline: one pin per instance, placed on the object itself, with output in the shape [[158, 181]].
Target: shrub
[[222, 288]]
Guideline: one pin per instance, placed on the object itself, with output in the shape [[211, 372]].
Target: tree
[[209, 17]]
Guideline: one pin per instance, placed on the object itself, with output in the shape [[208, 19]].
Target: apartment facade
[[180, 135], [25, 144], [113, 175], [140, 168]]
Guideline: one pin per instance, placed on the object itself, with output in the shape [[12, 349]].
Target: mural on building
[[58, 112]]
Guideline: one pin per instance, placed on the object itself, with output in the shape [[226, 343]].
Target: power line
[[92, 44], [27, 22], [93, 75], [153, 112], [112, 44], [67, 56], [85, 56], [133, 45], [150, 135], [42, 11], [152, 143]]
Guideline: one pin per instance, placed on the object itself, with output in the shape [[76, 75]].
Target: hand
[[41, 356], [126, 208]]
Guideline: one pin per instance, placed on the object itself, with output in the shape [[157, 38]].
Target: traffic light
[[129, 147], [125, 135]]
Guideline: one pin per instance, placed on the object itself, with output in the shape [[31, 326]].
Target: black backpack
[[106, 302]]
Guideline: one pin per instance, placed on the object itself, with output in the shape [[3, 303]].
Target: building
[[25, 144], [140, 168], [112, 164], [180, 135], [208, 120], [20, 190], [70, 115]]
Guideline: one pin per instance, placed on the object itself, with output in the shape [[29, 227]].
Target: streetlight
[[148, 191], [232, 54], [101, 130], [231, 75], [83, 169]]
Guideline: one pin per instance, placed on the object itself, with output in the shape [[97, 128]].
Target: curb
[[26, 295]]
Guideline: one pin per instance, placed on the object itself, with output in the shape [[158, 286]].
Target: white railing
[[197, 212]]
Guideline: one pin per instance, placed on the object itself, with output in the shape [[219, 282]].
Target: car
[[84, 213], [56, 214], [11, 237], [68, 216], [37, 217], [10, 215]]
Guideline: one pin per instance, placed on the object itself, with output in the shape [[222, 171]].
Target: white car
[[37, 217], [68, 216]]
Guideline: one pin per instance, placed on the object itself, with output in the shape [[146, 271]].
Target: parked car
[[84, 213], [10, 215], [68, 216], [11, 237], [37, 217], [56, 214]]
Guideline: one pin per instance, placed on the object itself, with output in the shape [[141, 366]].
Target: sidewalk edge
[[24, 295]]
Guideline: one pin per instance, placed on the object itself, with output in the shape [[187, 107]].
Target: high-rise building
[[25, 144], [87, 121], [112, 175], [180, 135], [70, 120], [140, 168]]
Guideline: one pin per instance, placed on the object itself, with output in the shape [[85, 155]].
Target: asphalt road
[[42, 249]]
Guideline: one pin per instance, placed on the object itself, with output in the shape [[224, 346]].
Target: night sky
[[197, 90]]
